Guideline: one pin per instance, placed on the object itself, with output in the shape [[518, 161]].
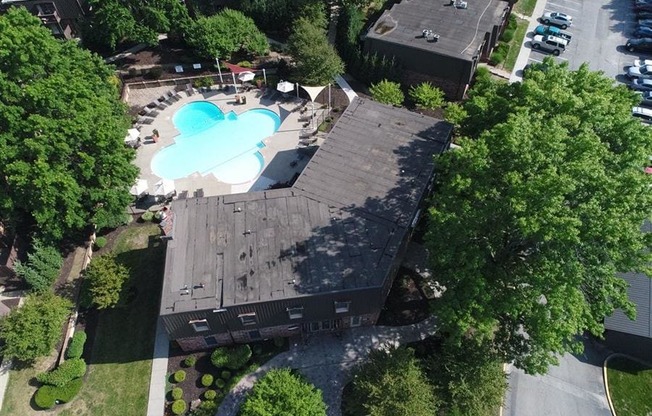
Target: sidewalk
[[327, 360], [156, 400], [524, 53]]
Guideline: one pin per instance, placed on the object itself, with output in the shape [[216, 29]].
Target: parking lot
[[600, 30]]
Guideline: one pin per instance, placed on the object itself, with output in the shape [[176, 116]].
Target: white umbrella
[[246, 76], [285, 86], [164, 187], [132, 135], [139, 188]]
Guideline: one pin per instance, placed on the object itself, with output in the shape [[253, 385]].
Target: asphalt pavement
[[575, 387]]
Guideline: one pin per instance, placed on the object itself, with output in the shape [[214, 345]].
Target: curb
[[606, 383]]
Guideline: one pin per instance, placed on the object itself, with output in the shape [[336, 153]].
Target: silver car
[[642, 62], [640, 71], [558, 19], [641, 84]]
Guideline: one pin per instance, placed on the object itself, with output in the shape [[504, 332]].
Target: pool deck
[[282, 160]]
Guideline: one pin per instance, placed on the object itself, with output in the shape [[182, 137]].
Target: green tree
[[538, 211], [112, 22], [316, 61], [224, 34], [427, 96], [455, 114], [42, 267], [103, 282], [33, 330], [281, 392], [63, 163], [387, 92], [391, 384]]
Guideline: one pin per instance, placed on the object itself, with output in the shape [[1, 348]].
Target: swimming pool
[[210, 141]]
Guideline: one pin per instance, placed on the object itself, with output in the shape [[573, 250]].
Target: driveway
[[575, 387], [600, 30]]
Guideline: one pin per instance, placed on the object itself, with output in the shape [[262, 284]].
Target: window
[[356, 321], [210, 341], [200, 325], [295, 313], [248, 318], [342, 307]]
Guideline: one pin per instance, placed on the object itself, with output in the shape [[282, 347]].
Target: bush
[[190, 361], [41, 269], [427, 96], [176, 393], [76, 345], [100, 242], [508, 35], [497, 58], [206, 380], [147, 216], [69, 391], [179, 376], [387, 92], [244, 64], [219, 383], [226, 374], [45, 397], [203, 82], [155, 72], [210, 395], [179, 407], [231, 357], [65, 373]]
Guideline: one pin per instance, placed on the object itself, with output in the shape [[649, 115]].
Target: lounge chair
[[309, 140]]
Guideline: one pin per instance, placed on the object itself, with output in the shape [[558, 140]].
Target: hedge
[[190, 361], [178, 407], [76, 345], [179, 376], [177, 393], [47, 396], [206, 380], [231, 357], [210, 394], [65, 373]]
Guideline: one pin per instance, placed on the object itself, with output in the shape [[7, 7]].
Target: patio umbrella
[[139, 188], [246, 76], [285, 86], [132, 135], [164, 187]]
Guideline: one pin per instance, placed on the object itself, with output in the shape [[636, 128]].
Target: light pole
[[219, 70]]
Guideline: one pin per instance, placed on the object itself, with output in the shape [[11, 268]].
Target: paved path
[[157, 382], [524, 53], [326, 360]]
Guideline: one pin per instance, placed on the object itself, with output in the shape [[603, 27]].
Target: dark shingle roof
[[339, 227], [461, 31]]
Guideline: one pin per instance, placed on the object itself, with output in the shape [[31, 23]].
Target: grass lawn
[[117, 382], [515, 44], [525, 7], [630, 386]]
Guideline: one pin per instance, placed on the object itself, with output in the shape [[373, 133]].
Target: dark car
[[640, 44], [643, 8], [643, 32], [645, 22], [644, 14]]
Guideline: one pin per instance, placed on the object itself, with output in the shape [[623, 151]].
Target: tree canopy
[[538, 211], [316, 61], [42, 267], [116, 21], [391, 384], [63, 163], [33, 330], [280, 392], [103, 282], [225, 33]]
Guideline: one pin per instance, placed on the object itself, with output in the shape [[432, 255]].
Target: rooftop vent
[[459, 4]]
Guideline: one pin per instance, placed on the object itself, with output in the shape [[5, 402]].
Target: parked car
[[642, 62], [641, 84], [639, 71], [549, 43], [643, 32], [638, 3], [558, 19], [645, 114], [640, 44], [554, 31], [644, 14], [645, 22], [642, 8]]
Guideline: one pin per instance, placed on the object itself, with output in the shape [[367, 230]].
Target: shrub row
[[179, 407], [47, 396], [190, 361], [64, 374], [206, 380], [179, 376], [177, 393], [76, 345], [231, 357]]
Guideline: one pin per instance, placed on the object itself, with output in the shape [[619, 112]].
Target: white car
[[646, 98], [558, 19], [640, 71], [642, 62], [641, 84]]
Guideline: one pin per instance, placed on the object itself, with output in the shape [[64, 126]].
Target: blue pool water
[[210, 141]]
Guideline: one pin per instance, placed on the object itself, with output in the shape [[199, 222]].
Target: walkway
[[524, 53], [158, 377], [327, 360]]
